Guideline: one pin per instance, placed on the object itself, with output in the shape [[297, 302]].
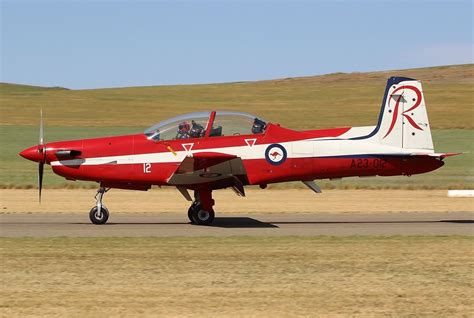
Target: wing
[[208, 167]]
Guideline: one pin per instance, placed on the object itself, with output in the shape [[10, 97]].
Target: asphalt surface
[[148, 224]]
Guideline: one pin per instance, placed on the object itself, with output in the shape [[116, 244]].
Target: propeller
[[42, 151]]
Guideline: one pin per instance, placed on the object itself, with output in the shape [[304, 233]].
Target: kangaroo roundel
[[275, 154]]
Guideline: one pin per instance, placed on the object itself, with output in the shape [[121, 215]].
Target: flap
[[202, 160]]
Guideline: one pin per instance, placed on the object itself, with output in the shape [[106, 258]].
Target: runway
[[173, 224]]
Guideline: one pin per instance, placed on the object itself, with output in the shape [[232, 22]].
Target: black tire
[[95, 218], [201, 216], [190, 212]]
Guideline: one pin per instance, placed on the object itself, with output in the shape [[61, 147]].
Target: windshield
[[185, 126]]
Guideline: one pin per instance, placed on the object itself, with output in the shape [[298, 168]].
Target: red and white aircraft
[[212, 150]]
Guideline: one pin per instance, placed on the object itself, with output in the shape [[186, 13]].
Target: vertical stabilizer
[[403, 120]]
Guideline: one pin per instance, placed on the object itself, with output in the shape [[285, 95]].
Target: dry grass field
[[333, 100], [236, 277], [291, 201]]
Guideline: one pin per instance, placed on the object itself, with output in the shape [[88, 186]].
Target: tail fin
[[403, 121]]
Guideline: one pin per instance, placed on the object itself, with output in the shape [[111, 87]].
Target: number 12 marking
[[147, 167]]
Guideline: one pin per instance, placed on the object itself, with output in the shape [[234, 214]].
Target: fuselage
[[278, 155]]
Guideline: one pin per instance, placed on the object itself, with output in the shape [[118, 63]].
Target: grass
[[19, 173], [302, 103], [239, 276]]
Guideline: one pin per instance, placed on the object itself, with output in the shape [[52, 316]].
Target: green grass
[[237, 276], [20, 173]]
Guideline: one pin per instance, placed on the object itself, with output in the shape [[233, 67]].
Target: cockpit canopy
[[209, 124]]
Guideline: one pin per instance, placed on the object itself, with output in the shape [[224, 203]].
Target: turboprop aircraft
[[206, 151]]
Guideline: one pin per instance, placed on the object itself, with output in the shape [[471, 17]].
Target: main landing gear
[[99, 213], [201, 212]]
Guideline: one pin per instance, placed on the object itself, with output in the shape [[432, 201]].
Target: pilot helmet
[[258, 126], [196, 129], [184, 126]]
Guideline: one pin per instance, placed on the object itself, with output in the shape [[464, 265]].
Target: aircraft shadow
[[247, 222], [457, 221], [241, 222], [223, 222]]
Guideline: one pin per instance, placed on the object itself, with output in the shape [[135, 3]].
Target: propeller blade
[[41, 163], [40, 179], [41, 127]]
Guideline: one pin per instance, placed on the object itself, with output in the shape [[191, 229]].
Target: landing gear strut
[[201, 212], [99, 213]]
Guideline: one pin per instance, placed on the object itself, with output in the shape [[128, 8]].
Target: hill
[[331, 100]]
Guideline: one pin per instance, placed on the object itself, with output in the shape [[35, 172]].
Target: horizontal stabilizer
[[435, 155], [420, 154], [444, 155]]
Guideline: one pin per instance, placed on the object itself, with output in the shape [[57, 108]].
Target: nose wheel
[[97, 217], [99, 214]]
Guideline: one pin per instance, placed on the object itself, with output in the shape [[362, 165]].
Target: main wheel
[[201, 216], [97, 218], [190, 212]]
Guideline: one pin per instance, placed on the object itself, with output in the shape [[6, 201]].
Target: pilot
[[258, 126], [183, 131], [196, 130]]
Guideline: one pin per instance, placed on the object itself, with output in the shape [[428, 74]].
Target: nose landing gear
[[99, 213], [201, 212]]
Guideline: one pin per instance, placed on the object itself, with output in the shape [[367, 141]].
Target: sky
[[94, 44]]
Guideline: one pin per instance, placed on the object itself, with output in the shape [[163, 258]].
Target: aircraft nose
[[32, 153]]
